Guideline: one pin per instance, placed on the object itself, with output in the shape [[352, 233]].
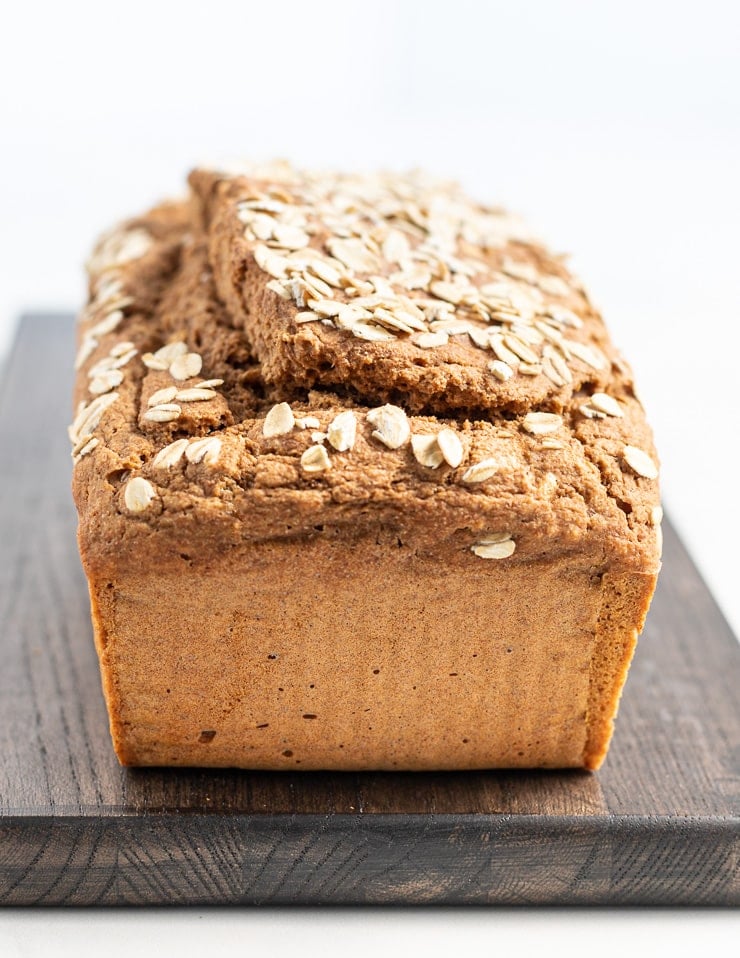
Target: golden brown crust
[[534, 305], [184, 452], [625, 599]]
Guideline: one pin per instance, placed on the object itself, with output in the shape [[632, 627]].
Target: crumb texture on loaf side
[[288, 358]]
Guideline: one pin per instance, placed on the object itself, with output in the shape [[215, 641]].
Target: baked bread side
[[291, 576]]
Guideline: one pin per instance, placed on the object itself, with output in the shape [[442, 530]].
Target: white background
[[614, 127]]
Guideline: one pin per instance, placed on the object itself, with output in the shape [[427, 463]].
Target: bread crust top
[[212, 409]]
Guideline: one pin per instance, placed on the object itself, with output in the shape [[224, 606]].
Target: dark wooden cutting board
[[659, 824]]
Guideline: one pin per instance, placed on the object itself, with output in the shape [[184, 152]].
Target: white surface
[[613, 126], [368, 933]]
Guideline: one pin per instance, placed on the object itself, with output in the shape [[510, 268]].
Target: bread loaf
[[362, 482]]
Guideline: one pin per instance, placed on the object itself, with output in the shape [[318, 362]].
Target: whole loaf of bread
[[362, 482]]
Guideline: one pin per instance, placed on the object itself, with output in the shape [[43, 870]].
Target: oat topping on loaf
[[455, 306], [83, 447], [204, 450], [315, 459], [170, 454], [498, 545], [641, 462], [342, 431], [391, 425], [279, 421], [541, 423], [138, 494], [480, 471], [356, 340]]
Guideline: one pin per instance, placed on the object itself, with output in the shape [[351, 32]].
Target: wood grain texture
[[659, 824]]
